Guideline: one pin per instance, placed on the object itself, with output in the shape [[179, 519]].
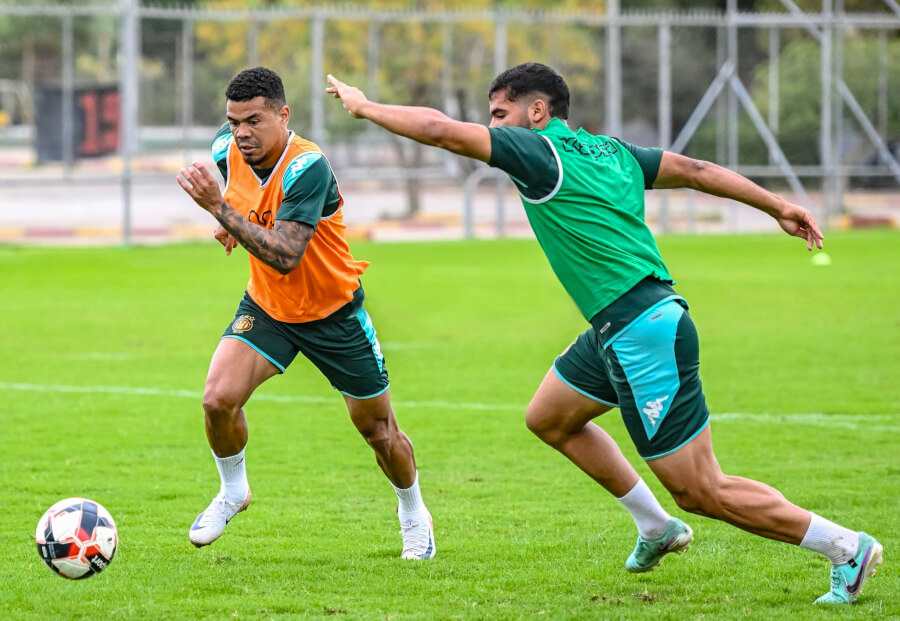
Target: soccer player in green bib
[[584, 197]]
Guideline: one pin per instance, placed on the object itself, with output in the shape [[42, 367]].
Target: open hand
[[352, 98], [799, 222], [200, 185]]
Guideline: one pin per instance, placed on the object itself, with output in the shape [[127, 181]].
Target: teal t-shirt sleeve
[[310, 190], [220, 146], [648, 159], [527, 158]]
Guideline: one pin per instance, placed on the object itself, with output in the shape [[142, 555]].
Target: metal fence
[[119, 95]]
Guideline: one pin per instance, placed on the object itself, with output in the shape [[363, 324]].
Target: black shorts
[[648, 367], [343, 346]]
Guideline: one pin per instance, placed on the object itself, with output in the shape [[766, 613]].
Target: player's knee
[[218, 405], [700, 499], [536, 419], [688, 501], [378, 436], [544, 424]]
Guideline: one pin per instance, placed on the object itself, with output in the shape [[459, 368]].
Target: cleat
[[210, 524], [418, 539], [649, 552], [847, 580]]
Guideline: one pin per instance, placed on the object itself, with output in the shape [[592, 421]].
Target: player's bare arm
[[426, 125], [679, 171], [281, 248]]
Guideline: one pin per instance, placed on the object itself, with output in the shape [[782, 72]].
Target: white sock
[[233, 473], [834, 541], [648, 514], [411, 505]]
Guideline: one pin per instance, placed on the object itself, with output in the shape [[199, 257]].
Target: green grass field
[[105, 352]]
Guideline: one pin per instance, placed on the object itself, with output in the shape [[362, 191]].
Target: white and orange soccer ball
[[76, 538]]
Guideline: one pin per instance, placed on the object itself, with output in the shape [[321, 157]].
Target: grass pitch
[[105, 352]]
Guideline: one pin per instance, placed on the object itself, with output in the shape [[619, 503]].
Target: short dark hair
[[257, 82], [531, 78]]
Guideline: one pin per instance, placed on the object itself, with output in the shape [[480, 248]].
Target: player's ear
[[285, 114], [538, 110]]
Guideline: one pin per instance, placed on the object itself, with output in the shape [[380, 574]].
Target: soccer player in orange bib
[[283, 205]]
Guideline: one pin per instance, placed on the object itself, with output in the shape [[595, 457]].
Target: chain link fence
[[101, 104]]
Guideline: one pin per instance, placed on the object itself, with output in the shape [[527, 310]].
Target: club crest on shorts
[[242, 323]]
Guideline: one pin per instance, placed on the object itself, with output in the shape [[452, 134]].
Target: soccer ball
[[76, 538]]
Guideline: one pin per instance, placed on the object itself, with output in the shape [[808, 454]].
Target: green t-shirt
[[584, 198], [310, 189]]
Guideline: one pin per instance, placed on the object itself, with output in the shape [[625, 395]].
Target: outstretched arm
[[426, 125], [678, 171], [281, 248]]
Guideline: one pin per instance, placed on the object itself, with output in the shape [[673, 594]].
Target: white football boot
[[210, 524], [418, 538]]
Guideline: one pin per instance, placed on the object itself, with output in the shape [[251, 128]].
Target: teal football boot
[[649, 552], [847, 580]]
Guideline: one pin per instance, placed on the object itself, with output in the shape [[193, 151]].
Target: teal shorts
[[642, 356], [343, 346]]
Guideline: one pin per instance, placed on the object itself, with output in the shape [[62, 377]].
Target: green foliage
[[410, 66], [800, 93], [801, 356]]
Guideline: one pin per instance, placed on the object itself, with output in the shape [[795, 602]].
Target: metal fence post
[[500, 62], [837, 199], [826, 123], [613, 69], [317, 81], [128, 78], [733, 136], [721, 103], [774, 77], [68, 94], [882, 83], [665, 109], [372, 59], [447, 71], [253, 43], [187, 81]]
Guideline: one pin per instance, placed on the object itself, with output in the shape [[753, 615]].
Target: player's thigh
[[345, 348], [691, 468], [372, 416], [654, 365], [556, 405], [253, 348], [235, 372], [575, 390]]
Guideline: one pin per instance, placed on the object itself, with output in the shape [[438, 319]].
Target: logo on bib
[[242, 324]]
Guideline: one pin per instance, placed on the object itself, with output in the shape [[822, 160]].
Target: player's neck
[[542, 124], [273, 157]]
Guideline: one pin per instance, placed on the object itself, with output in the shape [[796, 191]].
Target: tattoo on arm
[[280, 249]]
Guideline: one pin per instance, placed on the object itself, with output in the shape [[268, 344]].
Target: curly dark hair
[[257, 82], [530, 78]]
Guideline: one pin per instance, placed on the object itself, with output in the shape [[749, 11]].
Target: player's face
[[258, 130], [506, 113]]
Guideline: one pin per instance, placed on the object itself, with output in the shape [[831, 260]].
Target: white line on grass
[[99, 355], [401, 346], [196, 394], [869, 422]]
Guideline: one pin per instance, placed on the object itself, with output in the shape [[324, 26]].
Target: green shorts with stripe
[[343, 346], [641, 355]]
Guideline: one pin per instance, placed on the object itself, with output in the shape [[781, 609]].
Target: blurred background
[[102, 102]]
